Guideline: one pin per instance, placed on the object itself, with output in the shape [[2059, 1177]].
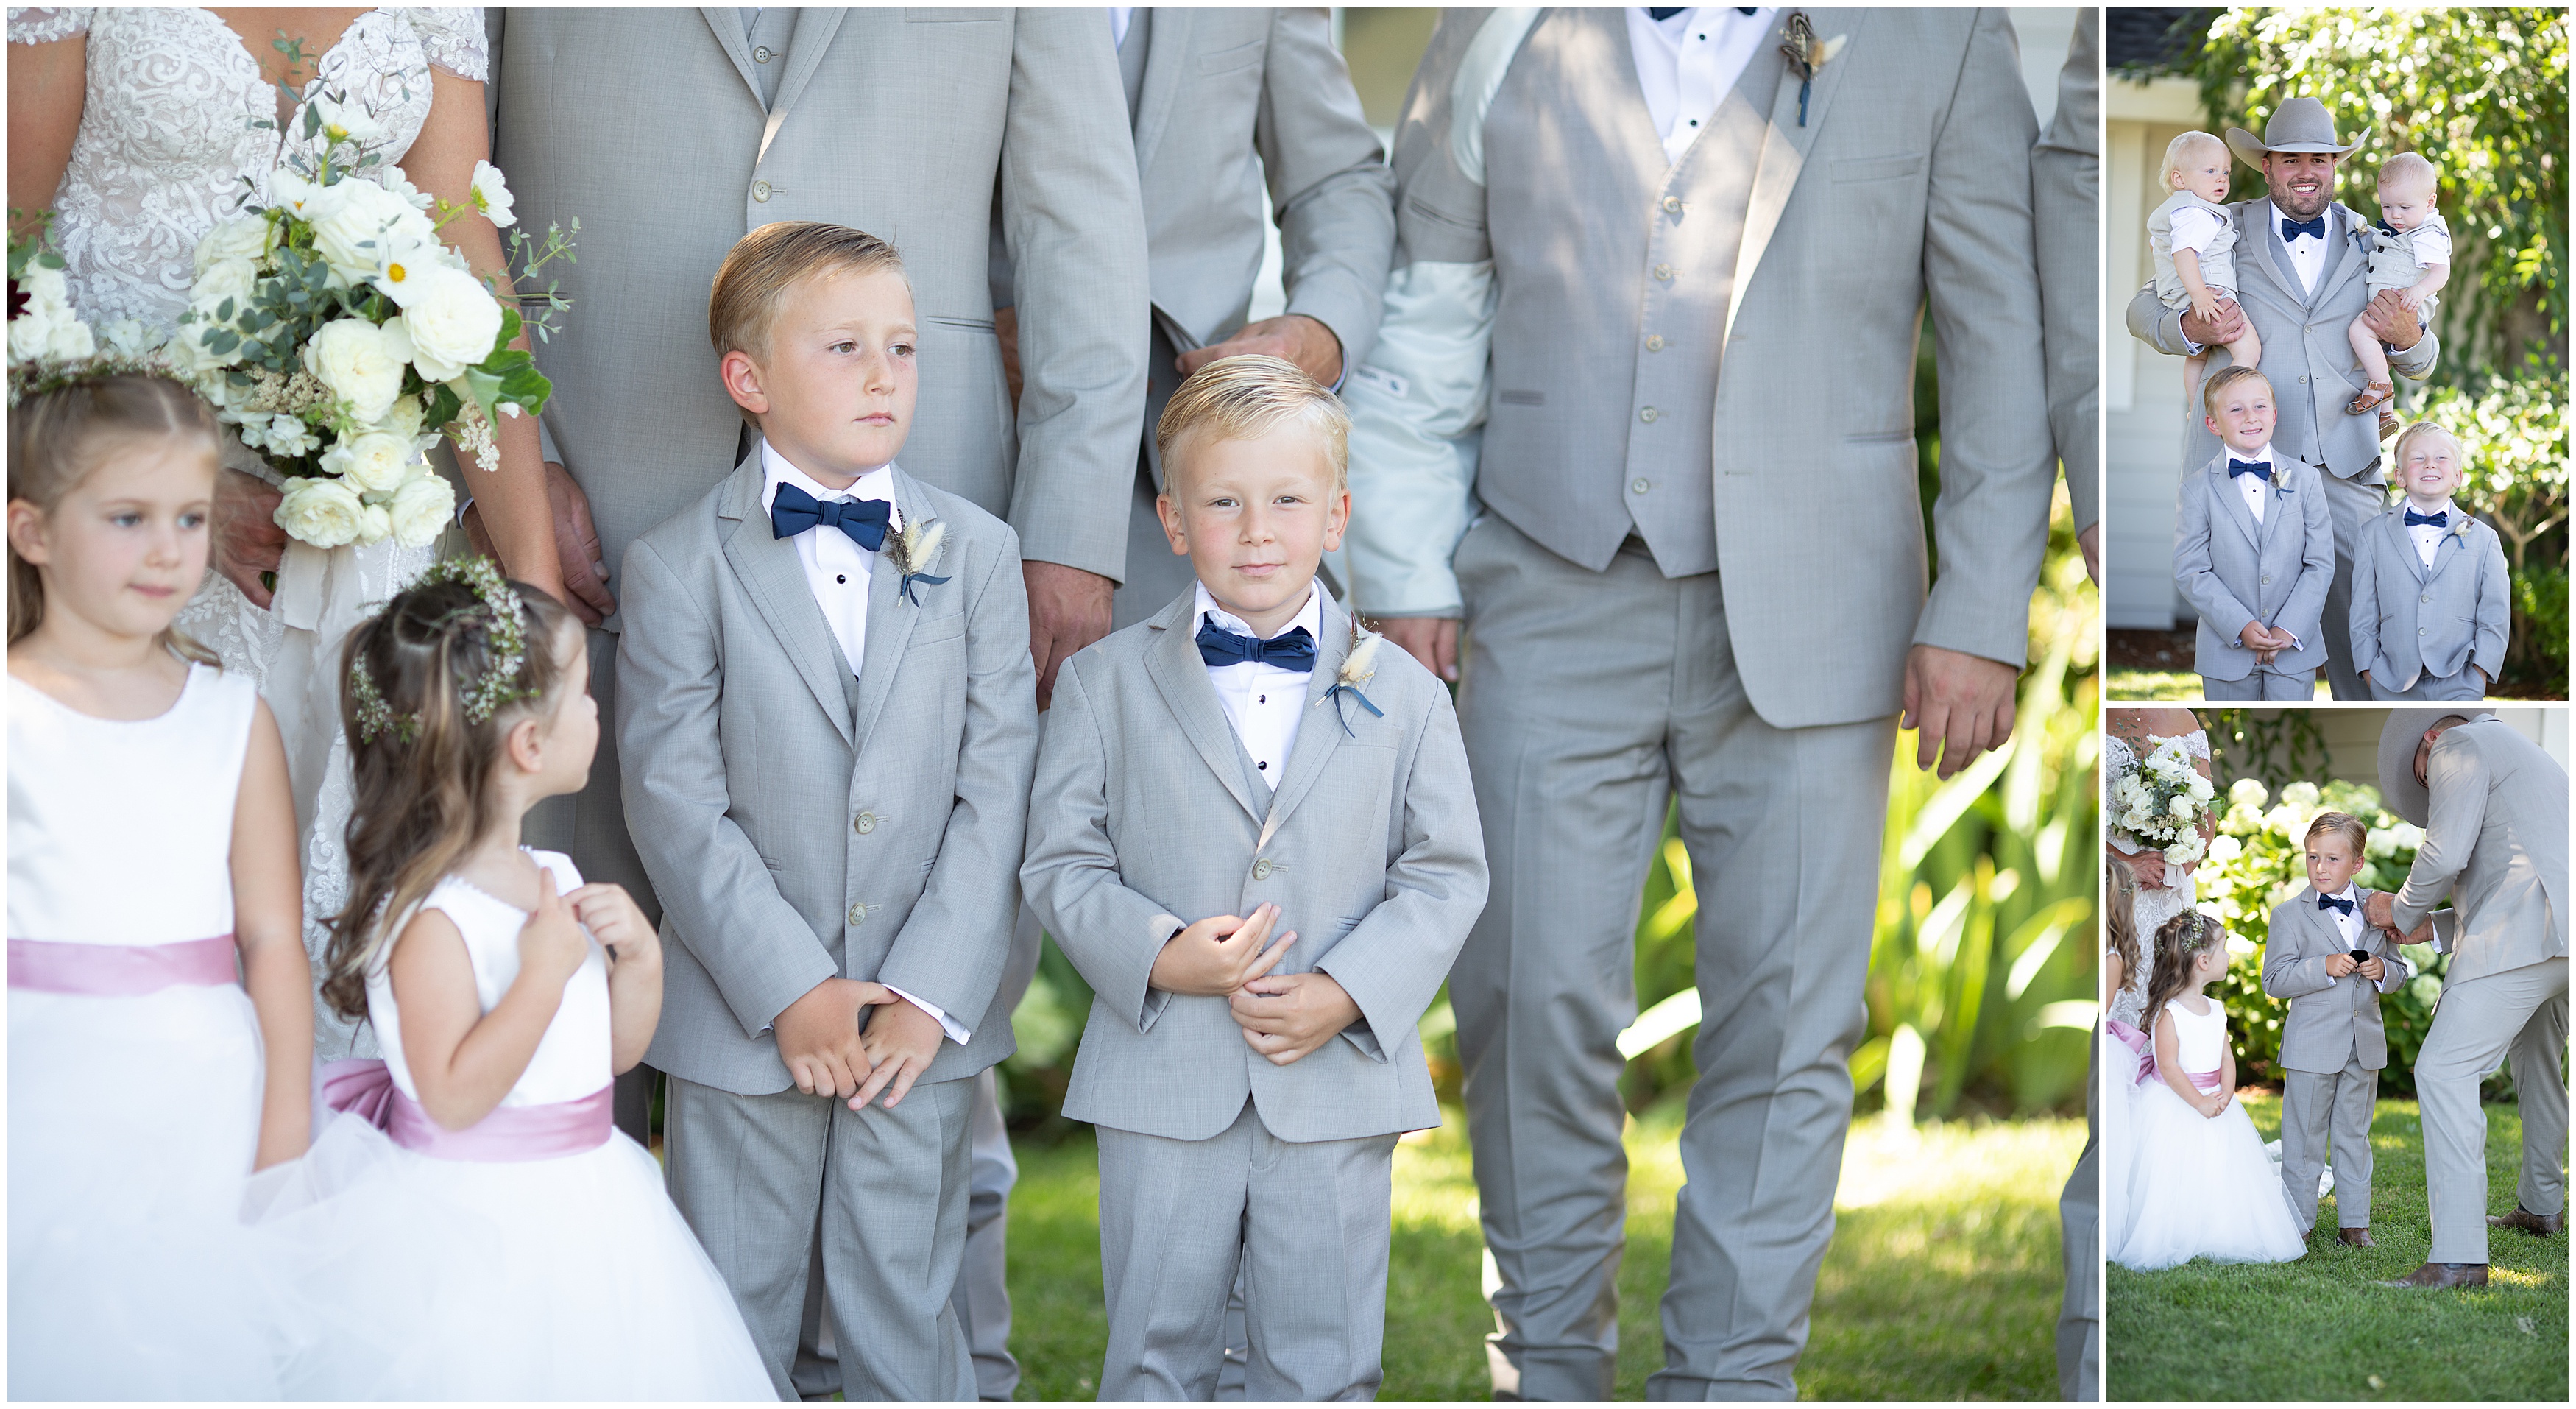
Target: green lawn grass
[[2318, 1329], [2172, 685], [1943, 1280]]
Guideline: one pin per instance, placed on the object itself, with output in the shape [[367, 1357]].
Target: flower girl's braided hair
[[430, 688], [60, 433], [2179, 944], [2123, 924]]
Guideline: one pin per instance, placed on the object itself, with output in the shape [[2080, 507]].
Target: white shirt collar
[[875, 484], [1310, 616], [2447, 506], [2259, 457]]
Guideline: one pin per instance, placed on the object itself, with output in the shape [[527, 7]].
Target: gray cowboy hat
[[2398, 790], [2299, 125]]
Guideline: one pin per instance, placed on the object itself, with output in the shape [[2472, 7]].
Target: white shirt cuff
[[957, 1032]]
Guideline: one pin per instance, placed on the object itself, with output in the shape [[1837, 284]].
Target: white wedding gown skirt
[[2116, 1069], [132, 1125]]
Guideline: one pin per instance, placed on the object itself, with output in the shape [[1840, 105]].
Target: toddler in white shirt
[[2410, 253], [2194, 239]]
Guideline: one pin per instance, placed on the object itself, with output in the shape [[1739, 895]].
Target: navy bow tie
[[2256, 468], [2325, 902], [793, 511], [2293, 229], [1661, 13], [2437, 520], [1292, 649]]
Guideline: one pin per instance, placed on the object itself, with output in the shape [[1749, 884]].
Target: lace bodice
[[176, 113]]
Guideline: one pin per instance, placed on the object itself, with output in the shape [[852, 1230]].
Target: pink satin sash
[[120, 970], [365, 1088], [2136, 1041], [2205, 1080]]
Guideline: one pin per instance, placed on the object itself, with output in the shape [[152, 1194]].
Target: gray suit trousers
[[2465, 685], [1305, 1225], [757, 1176], [1592, 700], [2327, 1114], [2522, 1013], [2353, 504], [2264, 683], [2079, 1229]]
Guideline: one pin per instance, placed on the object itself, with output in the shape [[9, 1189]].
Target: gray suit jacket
[[2329, 1018], [2307, 355], [800, 823], [1148, 814], [2065, 199], [2495, 840], [2407, 618], [1907, 185], [647, 125], [2233, 570]]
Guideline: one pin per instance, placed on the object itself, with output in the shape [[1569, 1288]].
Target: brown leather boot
[[2444, 1274], [2356, 1237], [2538, 1225]]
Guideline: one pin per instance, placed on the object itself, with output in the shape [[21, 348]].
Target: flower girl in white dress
[[516, 1245], [2198, 1184], [151, 847]]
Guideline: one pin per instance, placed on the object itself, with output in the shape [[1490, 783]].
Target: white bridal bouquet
[[2161, 801], [343, 336]]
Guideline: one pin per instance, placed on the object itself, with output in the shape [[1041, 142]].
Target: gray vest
[[1615, 269]]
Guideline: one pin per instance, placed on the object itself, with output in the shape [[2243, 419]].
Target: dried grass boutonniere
[[916, 548], [1358, 668], [1806, 54]]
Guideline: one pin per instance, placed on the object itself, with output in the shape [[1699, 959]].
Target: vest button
[[858, 913], [760, 55], [867, 823], [760, 190], [1672, 205], [2267, 579], [1655, 343], [1647, 415], [1664, 272], [1261, 869]]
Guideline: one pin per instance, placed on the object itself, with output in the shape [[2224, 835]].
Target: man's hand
[[2226, 326], [900, 1042], [2379, 910], [1289, 1015], [577, 551], [1220, 954], [818, 1035], [2392, 322], [1006, 330], [2337, 965], [2149, 867], [2090, 540], [1068, 610], [1955, 699], [1300, 339], [1432, 640], [247, 540]]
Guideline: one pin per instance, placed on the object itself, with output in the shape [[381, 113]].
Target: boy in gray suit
[[2432, 609], [829, 718], [1240, 767], [2333, 1044], [2254, 552]]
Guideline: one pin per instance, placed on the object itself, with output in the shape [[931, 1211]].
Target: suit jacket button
[[1261, 869], [2419, 631], [760, 192], [1672, 205], [1664, 272], [1655, 343], [867, 823], [1647, 415], [2303, 378], [857, 914]]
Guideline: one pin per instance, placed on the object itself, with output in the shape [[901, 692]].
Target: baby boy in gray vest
[[2432, 610], [2193, 238], [1254, 834]]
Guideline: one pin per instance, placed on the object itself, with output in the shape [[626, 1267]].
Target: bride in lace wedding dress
[[138, 128]]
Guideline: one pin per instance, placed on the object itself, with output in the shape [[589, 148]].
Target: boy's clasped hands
[[2266, 642], [833, 1044], [1283, 1017]]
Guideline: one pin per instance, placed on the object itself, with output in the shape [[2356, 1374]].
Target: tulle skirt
[[2198, 1187], [132, 1125], [566, 1278], [2116, 1068]]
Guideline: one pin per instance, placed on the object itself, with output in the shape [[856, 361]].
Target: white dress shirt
[[2349, 925], [2193, 227], [1119, 15], [2248, 485], [1688, 63], [2307, 256], [2428, 537], [1262, 701], [837, 571]]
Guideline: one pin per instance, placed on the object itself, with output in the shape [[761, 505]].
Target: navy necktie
[[1292, 649], [2256, 468], [793, 511], [2328, 902], [2293, 229], [2437, 520]]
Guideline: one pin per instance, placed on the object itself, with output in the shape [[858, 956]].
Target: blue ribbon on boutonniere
[[915, 548], [1806, 54], [1355, 672]]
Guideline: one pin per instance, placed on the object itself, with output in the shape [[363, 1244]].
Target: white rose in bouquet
[[375, 525], [243, 237], [492, 195], [452, 322], [421, 509], [321, 511], [48, 328], [374, 461], [361, 363], [355, 232], [405, 418], [2183, 807], [290, 438], [2186, 851], [224, 279]]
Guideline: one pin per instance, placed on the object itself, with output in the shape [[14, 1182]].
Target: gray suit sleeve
[[1997, 465], [2457, 779], [1074, 227], [2066, 183], [2365, 605], [2307, 602], [712, 883], [2192, 573], [1329, 182], [2495, 610], [1070, 870], [957, 940], [2416, 363], [2286, 972], [2157, 326], [1393, 960]]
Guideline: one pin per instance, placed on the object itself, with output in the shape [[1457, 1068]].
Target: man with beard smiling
[[2300, 264]]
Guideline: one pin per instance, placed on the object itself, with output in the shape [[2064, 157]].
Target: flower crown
[[499, 613]]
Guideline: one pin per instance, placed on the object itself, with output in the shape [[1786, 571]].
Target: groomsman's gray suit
[[1147, 814], [2307, 357], [2495, 840], [2233, 570], [2333, 1046], [804, 823], [1703, 374], [2429, 625]]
